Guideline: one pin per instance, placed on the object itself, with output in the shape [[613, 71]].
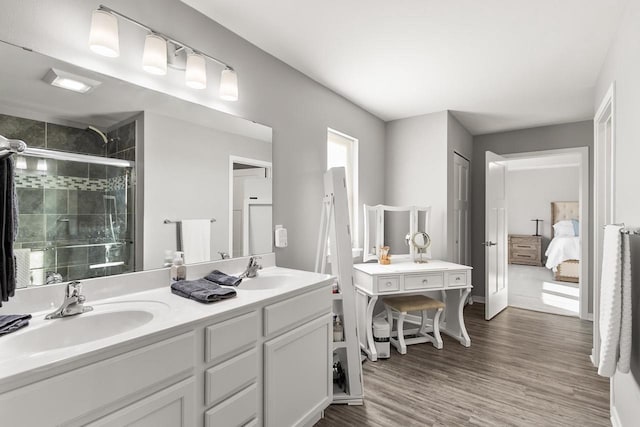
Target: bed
[[563, 252]]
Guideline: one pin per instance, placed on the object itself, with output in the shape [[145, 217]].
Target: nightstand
[[525, 250]]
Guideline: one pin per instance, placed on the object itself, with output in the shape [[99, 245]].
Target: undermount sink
[[106, 320], [269, 280]]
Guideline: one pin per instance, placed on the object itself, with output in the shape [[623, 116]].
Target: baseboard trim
[[478, 299], [615, 419]]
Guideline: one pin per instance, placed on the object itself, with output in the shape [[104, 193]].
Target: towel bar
[[169, 221]]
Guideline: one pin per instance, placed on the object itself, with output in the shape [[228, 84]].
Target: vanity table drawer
[[231, 376], [423, 281], [228, 338], [457, 278], [388, 284]]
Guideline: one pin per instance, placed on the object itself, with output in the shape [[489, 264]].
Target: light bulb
[[154, 57], [196, 72], [103, 37], [229, 85]]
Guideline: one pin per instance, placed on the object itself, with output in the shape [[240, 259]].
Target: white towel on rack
[[624, 363], [196, 240], [610, 300]]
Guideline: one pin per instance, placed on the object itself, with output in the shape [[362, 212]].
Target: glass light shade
[[21, 162], [154, 57], [42, 165], [103, 37], [229, 85], [196, 72]]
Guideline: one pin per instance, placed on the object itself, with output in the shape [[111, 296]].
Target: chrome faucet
[[252, 268], [73, 302]]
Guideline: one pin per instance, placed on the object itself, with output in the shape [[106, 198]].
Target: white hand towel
[[23, 267], [610, 301], [624, 364], [196, 240]]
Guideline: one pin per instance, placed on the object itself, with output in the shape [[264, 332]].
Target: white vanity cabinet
[[267, 363], [297, 362], [144, 385]]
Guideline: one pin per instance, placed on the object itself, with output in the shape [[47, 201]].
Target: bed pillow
[[563, 228], [576, 227]]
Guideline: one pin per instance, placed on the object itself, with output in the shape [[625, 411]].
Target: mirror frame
[[379, 212]]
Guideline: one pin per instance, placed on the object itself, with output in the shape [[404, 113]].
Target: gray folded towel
[[217, 276], [12, 322], [201, 290]]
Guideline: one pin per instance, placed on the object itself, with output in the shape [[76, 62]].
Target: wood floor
[[523, 368]]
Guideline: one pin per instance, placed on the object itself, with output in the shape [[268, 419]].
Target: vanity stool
[[405, 304]]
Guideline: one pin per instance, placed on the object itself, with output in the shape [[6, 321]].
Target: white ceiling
[[498, 64]]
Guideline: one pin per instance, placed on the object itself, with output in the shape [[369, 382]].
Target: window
[[342, 150]]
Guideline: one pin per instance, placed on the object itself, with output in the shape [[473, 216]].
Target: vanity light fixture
[[42, 165], [154, 57], [195, 75], [69, 81], [103, 39], [229, 85], [21, 162]]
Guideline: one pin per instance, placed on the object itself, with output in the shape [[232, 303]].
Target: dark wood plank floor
[[523, 368]]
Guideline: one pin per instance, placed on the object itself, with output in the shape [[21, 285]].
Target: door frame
[[604, 195], [584, 202], [245, 161], [467, 242]]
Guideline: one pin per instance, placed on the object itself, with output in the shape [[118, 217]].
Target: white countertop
[[375, 269], [171, 313]]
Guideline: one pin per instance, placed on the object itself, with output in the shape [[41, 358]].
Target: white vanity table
[[402, 277]]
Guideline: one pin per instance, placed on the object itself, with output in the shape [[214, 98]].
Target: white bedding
[[562, 249]]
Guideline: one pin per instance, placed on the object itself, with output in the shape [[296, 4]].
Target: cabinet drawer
[[457, 278], [423, 281], [238, 410], [231, 376], [526, 255], [524, 246], [283, 315], [228, 338], [388, 284]]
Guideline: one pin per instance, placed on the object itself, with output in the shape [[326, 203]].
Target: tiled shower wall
[[66, 205]]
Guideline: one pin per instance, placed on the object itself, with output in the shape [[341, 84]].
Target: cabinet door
[[172, 407], [298, 374]]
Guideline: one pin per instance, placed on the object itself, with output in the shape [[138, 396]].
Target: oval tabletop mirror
[[421, 241]]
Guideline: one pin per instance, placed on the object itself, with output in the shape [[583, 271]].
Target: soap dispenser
[[178, 269]]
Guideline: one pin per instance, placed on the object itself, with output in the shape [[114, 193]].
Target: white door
[[460, 210], [496, 281]]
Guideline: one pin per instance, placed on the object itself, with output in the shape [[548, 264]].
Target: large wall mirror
[[118, 177]]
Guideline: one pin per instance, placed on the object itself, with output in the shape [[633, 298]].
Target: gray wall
[[298, 109], [415, 171], [530, 193], [623, 66], [570, 135]]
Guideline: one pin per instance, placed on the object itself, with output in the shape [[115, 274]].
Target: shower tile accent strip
[[70, 182]]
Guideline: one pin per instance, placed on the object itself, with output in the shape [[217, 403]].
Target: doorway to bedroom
[[545, 247]]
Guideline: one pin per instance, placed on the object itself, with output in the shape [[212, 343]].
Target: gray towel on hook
[[217, 276], [201, 290], [8, 228], [13, 322]]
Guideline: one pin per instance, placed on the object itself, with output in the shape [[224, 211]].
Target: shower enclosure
[[76, 217]]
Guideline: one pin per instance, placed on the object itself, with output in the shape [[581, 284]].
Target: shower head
[[99, 132]]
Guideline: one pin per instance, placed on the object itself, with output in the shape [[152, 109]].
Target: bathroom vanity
[[151, 358]]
